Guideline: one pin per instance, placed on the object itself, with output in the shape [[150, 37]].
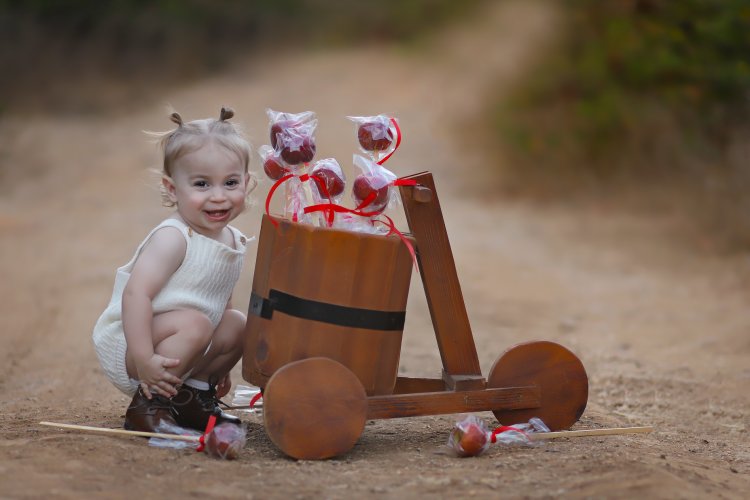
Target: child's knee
[[235, 320], [195, 327], [233, 326]]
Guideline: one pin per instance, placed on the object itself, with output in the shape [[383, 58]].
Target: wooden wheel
[[314, 408], [557, 372]]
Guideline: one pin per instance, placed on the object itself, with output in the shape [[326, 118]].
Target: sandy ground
[[661, 324]]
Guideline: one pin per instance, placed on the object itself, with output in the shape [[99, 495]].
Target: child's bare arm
[[159, 259]]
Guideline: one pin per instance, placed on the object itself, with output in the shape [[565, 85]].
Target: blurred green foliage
[[152, 23], [48, 46], [635, 84]]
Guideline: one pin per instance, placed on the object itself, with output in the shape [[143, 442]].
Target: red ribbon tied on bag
[[504, 428], [209, 427], [332, 207], [398, 142], [255, 399], [303, 178]]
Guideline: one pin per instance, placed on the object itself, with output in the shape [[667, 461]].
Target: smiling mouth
[[217, 214]]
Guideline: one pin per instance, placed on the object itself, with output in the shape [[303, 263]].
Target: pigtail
[[176, 118], [225, 114]]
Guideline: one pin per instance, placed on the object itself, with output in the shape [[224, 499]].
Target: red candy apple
[[372, 186], [279, 128], [295, 153], [296, 145], [334, 183], [225, 441], [273, 168], [469, 439], [375, 135]]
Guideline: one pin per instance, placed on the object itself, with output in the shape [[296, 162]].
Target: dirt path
[[661, 327]]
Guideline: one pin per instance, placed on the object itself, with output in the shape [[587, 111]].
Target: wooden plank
[[464, 382], [440, 403], [250, 369], [409, 385], [439, 277]]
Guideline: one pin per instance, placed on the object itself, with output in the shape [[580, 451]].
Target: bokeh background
[[645, 97]]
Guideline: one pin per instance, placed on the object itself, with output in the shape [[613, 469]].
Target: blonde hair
[[191, 136]]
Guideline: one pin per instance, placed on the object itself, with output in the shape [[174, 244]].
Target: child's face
[[209, 186]]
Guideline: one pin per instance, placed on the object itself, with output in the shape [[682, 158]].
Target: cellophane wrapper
[[166, 428], [243, 394], [378, 177], [295, 138], [266, 152], [295, 201], [324, 175], [379, 131], [523, 432], [226, 441], [470, 430]]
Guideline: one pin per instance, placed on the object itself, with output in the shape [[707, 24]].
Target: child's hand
[[222, 388], [155, 378]]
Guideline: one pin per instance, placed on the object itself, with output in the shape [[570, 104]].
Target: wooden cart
[[324, 333]]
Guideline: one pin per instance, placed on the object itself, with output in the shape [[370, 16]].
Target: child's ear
[[250, 183], [168, 184]]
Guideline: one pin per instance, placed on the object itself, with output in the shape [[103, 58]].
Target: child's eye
[[200, 184], [233, 182]]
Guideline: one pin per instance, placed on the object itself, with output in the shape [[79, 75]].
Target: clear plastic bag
[[469, 436], [293, 136], [372, 190], [175, 444], [243, 395], [327, 182], [518, 433], [273, 165], [375, 134], [225, 441], [330, 182]]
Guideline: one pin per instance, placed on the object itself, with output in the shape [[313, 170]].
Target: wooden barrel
[[325, 292]]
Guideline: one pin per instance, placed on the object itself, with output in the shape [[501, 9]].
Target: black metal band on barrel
[[352, 317]]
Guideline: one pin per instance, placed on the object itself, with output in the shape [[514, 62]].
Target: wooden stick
[[590, 432], [105, 430]]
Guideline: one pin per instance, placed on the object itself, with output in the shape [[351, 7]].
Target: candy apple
[[225, 441], [296, 151], [279, 128], [469, 440], [375, 135], [333, 181], [371, 186], [273, 168]]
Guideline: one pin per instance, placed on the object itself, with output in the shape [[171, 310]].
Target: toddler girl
[[169, 336]]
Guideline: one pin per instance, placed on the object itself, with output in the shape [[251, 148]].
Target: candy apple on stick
[[293, 140], [469, 437], [280, 122], [330, 175], [273, 165], [372, 188], [375, 134], [328, 181]]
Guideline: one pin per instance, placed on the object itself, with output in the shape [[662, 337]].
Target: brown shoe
[[147, 415], [192, 408]]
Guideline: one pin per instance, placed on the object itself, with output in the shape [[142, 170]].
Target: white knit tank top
[[204, 281]]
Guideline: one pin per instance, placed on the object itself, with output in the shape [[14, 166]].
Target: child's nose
[[218, 193]]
